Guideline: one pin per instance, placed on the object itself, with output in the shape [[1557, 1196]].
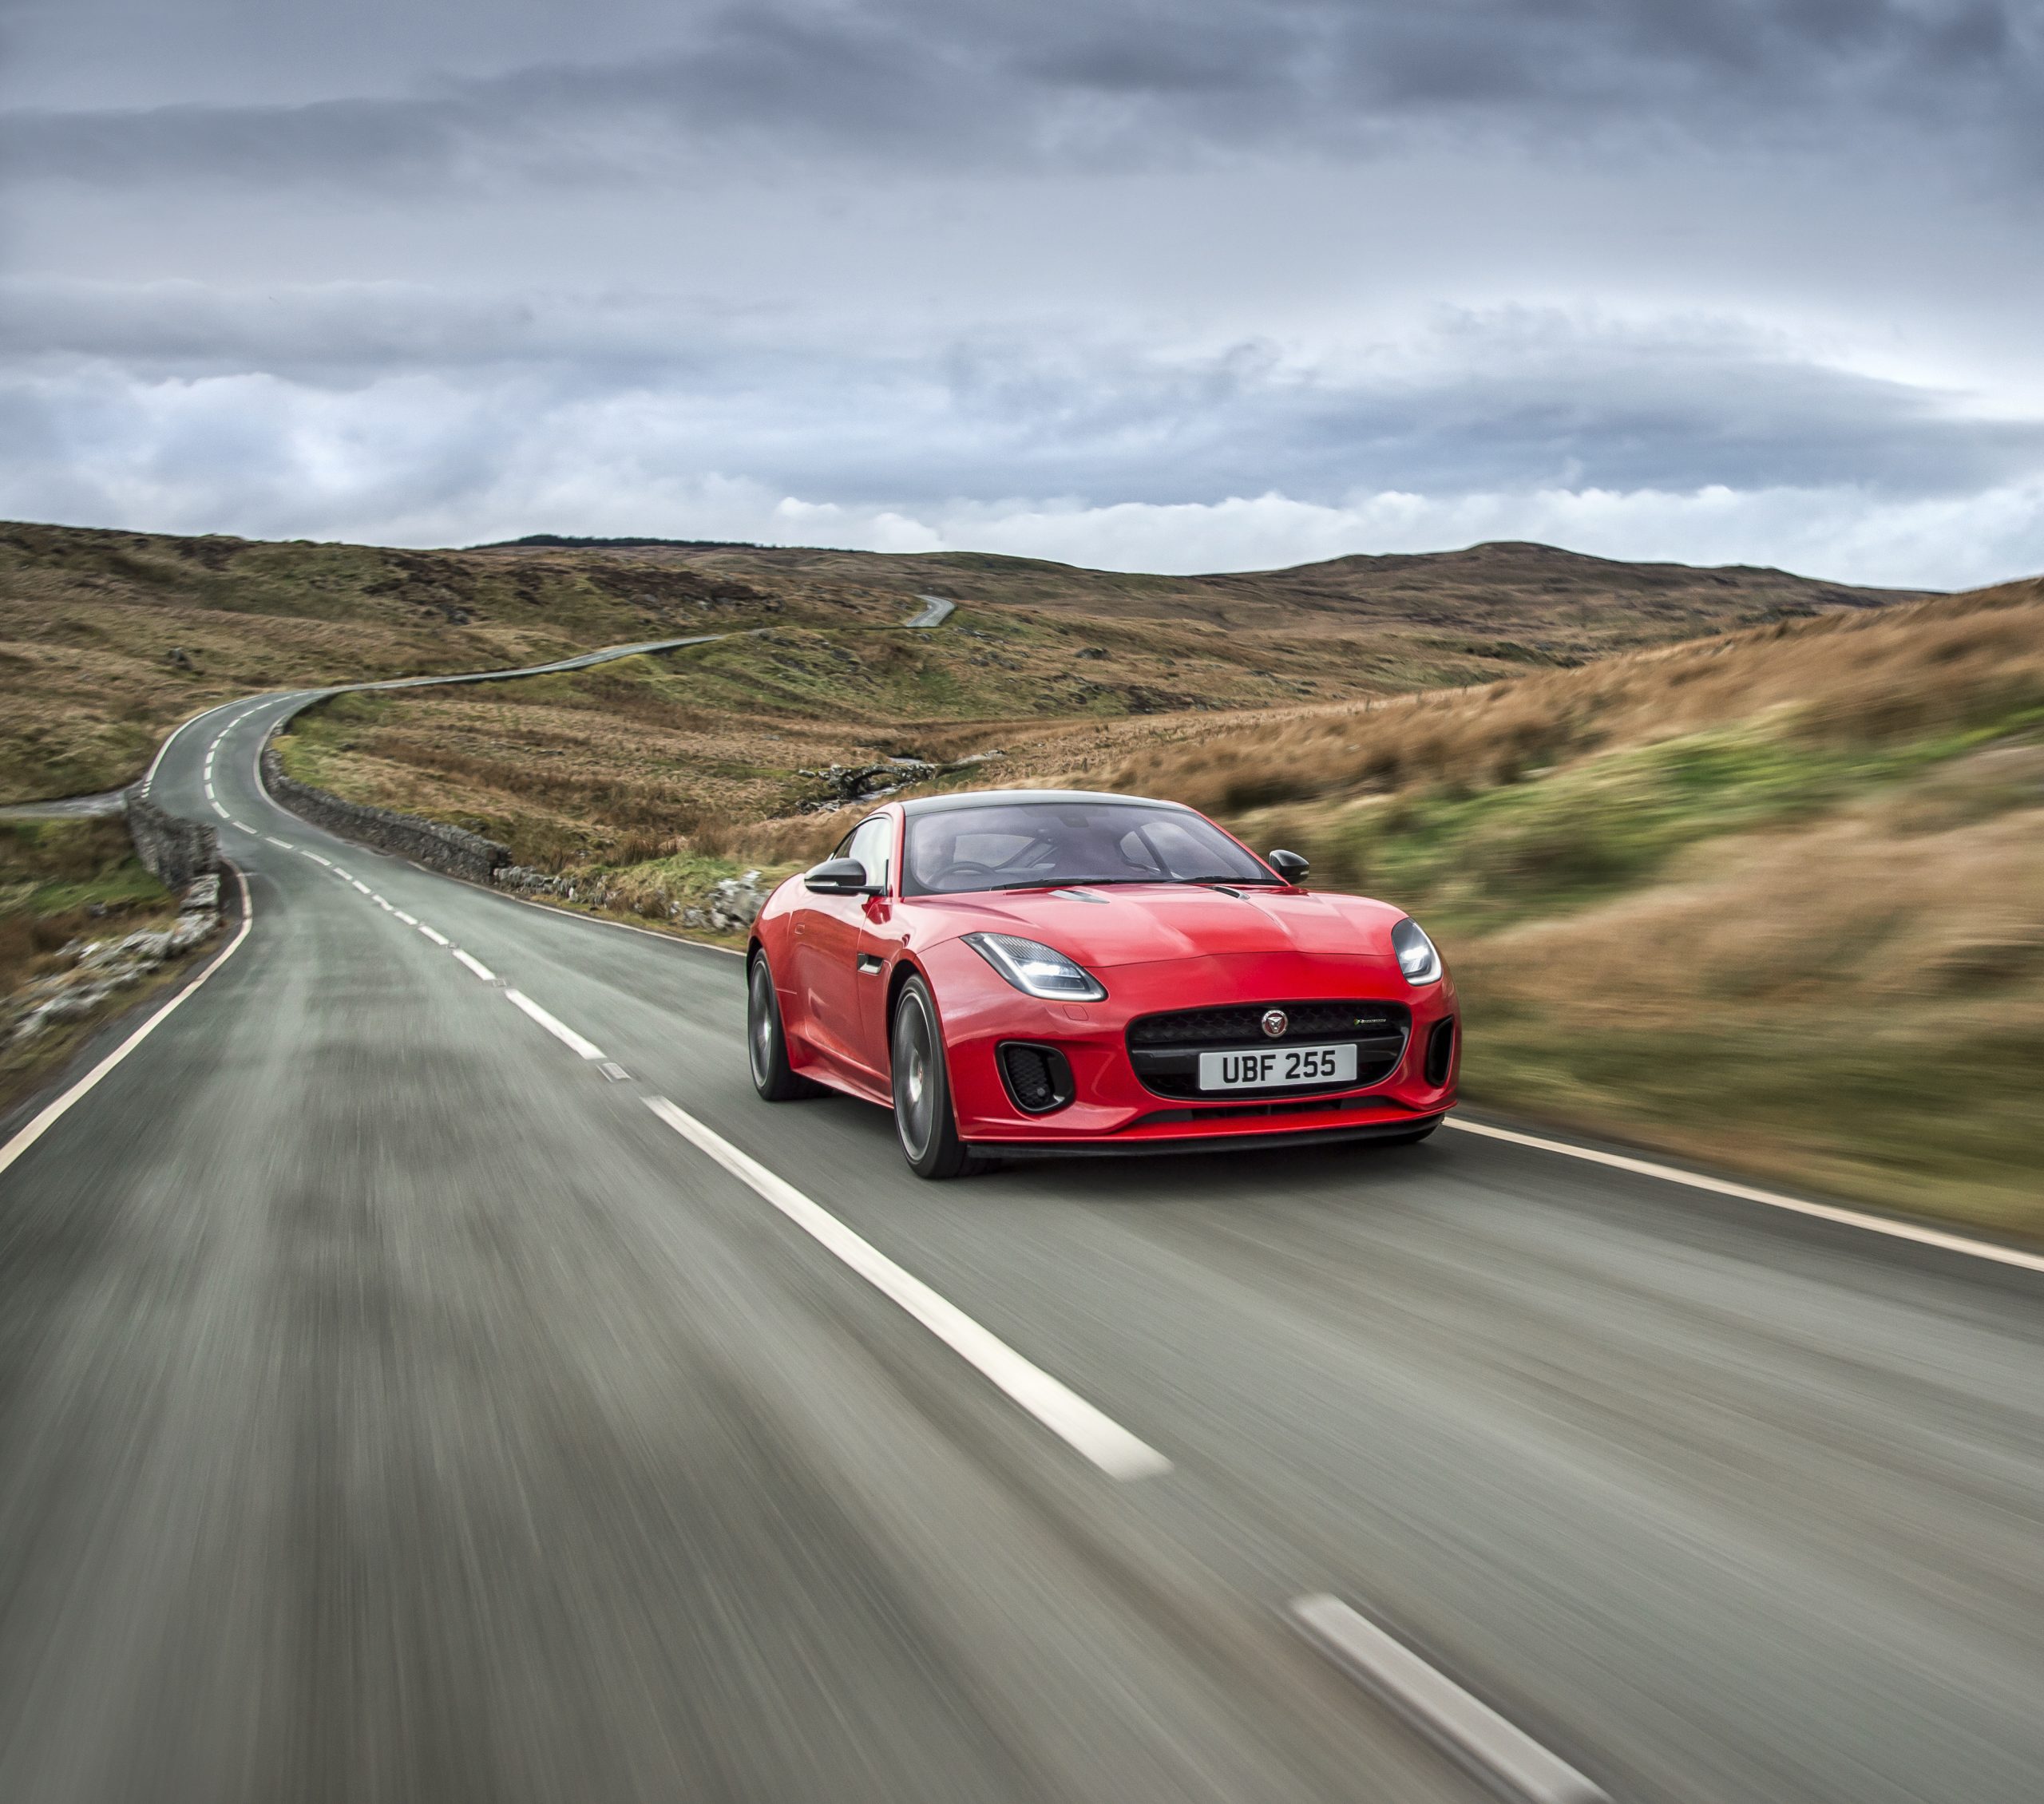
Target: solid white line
[[274, 840], [1465, 1726], [1746, 1192], [1101, 1438], [560, 1032], [437, 938], [410, 921], [476, 965], [48, 1116], [604, 920]]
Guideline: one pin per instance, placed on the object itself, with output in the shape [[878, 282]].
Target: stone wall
[[452, 850], [176, 851]]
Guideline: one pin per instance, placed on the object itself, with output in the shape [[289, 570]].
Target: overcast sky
[[1196, 285]]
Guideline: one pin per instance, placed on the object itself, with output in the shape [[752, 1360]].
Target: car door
[[832, 938]]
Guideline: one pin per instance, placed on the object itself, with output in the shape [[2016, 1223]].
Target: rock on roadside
[[100, 968]]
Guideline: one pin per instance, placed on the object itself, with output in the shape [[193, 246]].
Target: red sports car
[[1028, 971]]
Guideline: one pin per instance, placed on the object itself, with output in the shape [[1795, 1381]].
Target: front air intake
[[1440, 1051], [1038, 1078]]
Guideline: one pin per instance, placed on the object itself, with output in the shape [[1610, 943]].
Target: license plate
[[1270, 1068]]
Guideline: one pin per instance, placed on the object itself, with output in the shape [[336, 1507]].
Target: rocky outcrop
[[454, 850], [848, 783], [99, 969], [176, 851], [733, 903]]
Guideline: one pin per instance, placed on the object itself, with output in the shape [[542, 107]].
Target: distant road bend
[[426, 1372]]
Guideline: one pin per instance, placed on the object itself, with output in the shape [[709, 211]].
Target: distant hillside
[[1522, 603], [108, 638]]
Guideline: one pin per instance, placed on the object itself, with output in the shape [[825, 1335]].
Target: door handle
[[868, 964]]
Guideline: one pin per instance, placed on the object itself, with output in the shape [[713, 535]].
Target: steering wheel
[[967, 867]]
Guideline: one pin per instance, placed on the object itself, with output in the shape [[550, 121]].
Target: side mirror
[[838, 876], [1289, 865]]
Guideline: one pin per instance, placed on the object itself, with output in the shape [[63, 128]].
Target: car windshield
[[1026, 846]]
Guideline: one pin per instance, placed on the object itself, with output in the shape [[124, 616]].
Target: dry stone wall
[[176, 851], [454, 850]]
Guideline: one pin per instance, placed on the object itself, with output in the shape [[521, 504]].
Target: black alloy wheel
[[924, 1121], [766, 1046]]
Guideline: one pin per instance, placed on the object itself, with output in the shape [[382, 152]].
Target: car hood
[[1142, 923]]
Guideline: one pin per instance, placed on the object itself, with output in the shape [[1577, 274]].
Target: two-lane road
[[395, 1405]]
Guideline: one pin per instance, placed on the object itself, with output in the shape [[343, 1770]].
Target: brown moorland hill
[[108, 638]]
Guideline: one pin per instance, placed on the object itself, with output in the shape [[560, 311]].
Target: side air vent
[[1039, 1077], [1440, 1050]]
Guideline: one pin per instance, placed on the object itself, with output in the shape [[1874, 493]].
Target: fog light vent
[[1440, 1050], [1039, 1077]]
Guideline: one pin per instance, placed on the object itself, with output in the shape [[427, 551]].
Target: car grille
[[1165, 1049]]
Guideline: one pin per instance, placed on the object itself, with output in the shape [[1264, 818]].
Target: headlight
[[1035, 969], [1416, 957]]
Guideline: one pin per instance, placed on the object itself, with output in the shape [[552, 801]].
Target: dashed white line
[[357, 883], [315, 858], [1063, 1411], [339, 872], [218, 810], [437, 938], [274, 840], [245, 827], [1747, 1193], [209, 791], [410, 921], [616, 1073], [560, 1031], [381, 903], [1465, 1727], [476, 965]]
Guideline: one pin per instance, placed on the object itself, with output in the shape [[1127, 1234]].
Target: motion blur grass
[[60, 881]]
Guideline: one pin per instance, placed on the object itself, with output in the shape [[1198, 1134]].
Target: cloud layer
[[1222, 283]]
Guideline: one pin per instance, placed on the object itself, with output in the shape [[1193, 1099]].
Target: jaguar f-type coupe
[[1029, 971]]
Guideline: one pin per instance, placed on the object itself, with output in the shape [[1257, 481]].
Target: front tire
[[924, 1121], [766, 1044]]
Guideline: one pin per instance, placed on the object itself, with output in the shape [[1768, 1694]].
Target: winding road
[[420, 1379]]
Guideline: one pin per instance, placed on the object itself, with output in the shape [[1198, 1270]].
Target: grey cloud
[[1062, 83], [1516, 401]]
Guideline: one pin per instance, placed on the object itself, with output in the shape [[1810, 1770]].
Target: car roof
[[1015, 798]]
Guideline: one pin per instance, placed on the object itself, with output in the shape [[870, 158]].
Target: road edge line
[[1456, 1721], [1891, 1226], [48, 1116], [1082, 1427]]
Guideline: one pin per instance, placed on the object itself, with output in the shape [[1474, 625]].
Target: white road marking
[[1066, 1413], [1465, 1727], [1747, 1193], [560, 1031], [623, 927], [339, 872], [150, 776], [316, 859], [274, 840], [410, 921], [48, 1116], [476, 965], [359, 884], [218, 810], [245, 827], [437, 938], [381, 903], [616, 1073], [209, 790]]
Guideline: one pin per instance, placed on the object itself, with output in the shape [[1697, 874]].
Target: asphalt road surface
[[395, 1406]]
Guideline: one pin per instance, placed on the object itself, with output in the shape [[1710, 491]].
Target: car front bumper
[[1113, 1111]]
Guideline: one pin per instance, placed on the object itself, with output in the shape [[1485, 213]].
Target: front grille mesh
[[1242, 1024], [1165, 1049]]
